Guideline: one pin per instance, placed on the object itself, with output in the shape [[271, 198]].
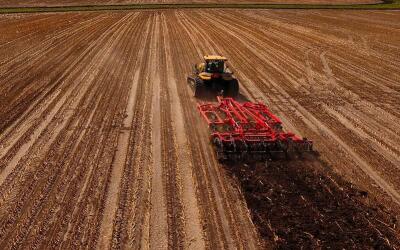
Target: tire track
[[169, 154], [134, 192], [193, 236], [119, 160], [160, 212]]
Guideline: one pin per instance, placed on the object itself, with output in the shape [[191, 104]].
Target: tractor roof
[[215, 57]]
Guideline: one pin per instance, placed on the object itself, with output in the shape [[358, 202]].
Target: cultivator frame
[[248, 131]]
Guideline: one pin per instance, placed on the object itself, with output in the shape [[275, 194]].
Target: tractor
[[213, 75]]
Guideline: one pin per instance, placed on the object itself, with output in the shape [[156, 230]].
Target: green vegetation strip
[[389, 4]]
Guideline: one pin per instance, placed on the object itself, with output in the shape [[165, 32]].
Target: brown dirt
[[101, 143], [31, 3], [300, 203]]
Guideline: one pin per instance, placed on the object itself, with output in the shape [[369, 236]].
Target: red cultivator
[[248, 131]]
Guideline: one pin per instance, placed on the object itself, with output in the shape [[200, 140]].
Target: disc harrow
[[248, 131]]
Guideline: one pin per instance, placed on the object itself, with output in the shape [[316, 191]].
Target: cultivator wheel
[[219, 149]]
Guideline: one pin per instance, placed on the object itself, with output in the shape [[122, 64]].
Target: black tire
[[218, 144], [233, 88], [191, 83], [198, 87], [219, 148]]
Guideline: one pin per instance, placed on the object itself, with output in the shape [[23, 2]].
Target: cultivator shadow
[[248, 131]]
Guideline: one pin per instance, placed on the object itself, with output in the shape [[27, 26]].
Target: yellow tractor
[[213, 75]]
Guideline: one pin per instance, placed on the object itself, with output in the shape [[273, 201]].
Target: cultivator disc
[[248, 131]]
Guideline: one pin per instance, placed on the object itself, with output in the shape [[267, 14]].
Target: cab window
[[215, 67]]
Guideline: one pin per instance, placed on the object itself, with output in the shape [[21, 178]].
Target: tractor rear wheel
[[233, 88], [198, 87]]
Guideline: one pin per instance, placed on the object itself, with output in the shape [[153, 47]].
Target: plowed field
[[101, 144]]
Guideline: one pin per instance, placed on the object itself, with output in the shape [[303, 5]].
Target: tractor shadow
[[242, 98], [301, 203]]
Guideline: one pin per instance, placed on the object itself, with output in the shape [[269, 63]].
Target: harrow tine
[[248, 132]]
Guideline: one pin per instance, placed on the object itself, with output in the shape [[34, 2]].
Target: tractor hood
[[205, 76]]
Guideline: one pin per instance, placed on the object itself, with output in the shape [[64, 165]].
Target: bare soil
[[101, 143], [300, 203]]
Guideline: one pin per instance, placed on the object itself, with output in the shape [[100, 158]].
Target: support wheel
[[219, 149]]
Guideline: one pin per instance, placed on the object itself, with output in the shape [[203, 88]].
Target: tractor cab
[[214, 64]]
